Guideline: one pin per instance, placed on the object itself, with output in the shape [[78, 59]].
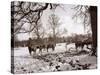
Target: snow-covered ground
[[58, 60]]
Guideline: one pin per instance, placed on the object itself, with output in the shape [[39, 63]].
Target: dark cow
[[82, 43], [51, 46], [87, 43], [79, 44], [34, 47]]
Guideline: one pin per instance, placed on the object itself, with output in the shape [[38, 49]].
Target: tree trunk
[[93, 17], [54, 36]]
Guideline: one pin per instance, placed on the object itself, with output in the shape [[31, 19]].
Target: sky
[[65, 13]]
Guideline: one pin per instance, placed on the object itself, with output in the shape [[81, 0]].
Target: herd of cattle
[[42, 46]]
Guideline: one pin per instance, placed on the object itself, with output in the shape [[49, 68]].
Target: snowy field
[[62, 59]]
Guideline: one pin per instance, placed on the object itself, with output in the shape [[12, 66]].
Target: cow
[[50, 45], [79, 44], [33, 47], [87, 43], [82, 43]]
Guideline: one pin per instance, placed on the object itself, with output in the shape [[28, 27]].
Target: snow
[[58, 60], [21, 51]]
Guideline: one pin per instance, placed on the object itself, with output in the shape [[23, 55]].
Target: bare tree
[[27, 12], [89, 15], [54, 23], [39, 30]]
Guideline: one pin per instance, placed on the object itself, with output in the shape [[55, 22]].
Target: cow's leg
[[41, 50], [76, 46], [29, 48], [47, 48], [53, 48], [82, 47], [30, 52], [44, 47], [34, 51], [87, 46]]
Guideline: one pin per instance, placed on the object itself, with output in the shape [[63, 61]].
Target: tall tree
[[54, 23], [89, 15], [93, 16]]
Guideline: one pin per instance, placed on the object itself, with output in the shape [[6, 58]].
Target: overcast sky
[[65, 13]]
